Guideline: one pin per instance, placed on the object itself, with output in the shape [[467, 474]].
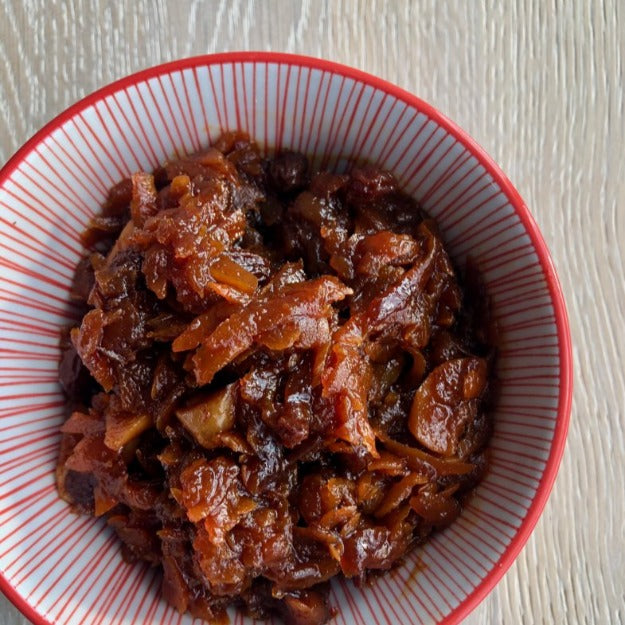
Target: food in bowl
[[278, 379]]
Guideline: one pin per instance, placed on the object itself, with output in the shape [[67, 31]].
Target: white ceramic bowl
[[59, 568]]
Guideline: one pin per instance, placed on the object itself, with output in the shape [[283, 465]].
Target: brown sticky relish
[[277, 379]]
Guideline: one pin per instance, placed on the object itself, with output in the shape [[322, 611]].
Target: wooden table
[[539, 84]]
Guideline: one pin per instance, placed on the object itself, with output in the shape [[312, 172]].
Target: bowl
[[62, 569]]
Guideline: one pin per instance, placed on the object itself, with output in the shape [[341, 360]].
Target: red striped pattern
[[69, 568]]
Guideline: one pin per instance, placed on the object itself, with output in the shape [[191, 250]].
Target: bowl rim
[[547, 479]]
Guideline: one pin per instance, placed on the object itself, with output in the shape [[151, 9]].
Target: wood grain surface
[[540, 84]]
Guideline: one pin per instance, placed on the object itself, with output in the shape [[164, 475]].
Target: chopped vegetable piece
[[208, 417]]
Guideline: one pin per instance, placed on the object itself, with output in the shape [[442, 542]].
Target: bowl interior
[[65, 569]]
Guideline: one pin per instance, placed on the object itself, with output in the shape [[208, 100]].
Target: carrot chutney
[[278, 378]]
